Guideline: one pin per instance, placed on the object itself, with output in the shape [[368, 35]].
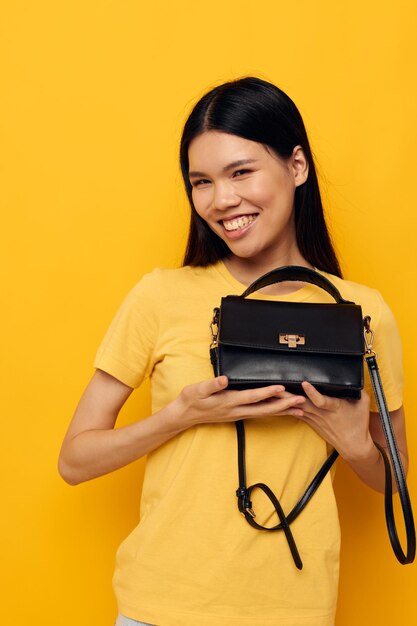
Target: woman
[[193, 560]]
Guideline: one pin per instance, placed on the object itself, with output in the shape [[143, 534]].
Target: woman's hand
[[209, 401], [349, 426], [93, 447], [342, 423]]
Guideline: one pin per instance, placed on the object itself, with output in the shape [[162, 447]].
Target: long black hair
[[257, 110]]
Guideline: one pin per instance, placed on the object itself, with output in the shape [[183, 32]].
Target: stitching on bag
[[289, 350]]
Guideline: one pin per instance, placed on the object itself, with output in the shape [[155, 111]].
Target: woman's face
[[245, 193]]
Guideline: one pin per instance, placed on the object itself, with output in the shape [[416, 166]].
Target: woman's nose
[[224, 196]]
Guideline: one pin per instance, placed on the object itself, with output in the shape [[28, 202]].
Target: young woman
[[193, 560]]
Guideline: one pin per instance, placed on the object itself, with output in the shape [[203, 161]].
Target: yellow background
[[94, 95]]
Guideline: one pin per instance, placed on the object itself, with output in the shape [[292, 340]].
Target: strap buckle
[[245, 505]]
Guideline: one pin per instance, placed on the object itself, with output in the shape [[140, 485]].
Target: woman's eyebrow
[[227, 167]]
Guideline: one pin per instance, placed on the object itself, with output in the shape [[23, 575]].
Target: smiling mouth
[[239, 223]]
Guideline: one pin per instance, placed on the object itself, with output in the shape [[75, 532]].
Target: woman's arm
[[93, 447], [368, 465]]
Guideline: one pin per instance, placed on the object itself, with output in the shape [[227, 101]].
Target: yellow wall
[[94, 94]]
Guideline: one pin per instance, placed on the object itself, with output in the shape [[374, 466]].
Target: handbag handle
[[299, 274]]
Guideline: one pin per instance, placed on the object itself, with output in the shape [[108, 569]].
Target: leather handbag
[[263, 342]]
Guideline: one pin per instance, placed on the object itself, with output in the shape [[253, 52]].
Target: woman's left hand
[[342, 423], [350, 427]]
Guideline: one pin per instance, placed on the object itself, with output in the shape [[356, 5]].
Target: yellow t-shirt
[[193, 560]]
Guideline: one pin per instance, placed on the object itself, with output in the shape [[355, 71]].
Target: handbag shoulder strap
[[397, 466], [296, 273], [244, 492]]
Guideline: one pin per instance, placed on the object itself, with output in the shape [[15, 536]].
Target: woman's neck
[[248, 270]]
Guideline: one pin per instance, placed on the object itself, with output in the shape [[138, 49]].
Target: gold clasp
[[368, 335], [292, 340], [214, 331]]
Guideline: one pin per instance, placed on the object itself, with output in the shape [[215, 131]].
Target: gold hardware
[[368, 335], [214, 332], [292, 340], [250, 511]]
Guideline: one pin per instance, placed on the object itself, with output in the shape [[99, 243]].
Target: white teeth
[[240, 222]]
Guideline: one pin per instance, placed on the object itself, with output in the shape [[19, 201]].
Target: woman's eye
[[242, 172], [204, 181]]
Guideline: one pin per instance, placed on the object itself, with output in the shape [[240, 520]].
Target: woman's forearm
[[371, 470], [93, 453]]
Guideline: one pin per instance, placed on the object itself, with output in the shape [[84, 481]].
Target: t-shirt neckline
[[301, 294]]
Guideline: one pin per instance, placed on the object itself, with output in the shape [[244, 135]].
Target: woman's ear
[[299, 165]]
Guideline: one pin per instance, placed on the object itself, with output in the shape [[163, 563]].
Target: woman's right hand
[[210, 401]]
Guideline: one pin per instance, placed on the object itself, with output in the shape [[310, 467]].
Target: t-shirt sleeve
[[388, 349], [129, 345]]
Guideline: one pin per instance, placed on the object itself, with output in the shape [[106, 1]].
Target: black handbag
[[263, 342]]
